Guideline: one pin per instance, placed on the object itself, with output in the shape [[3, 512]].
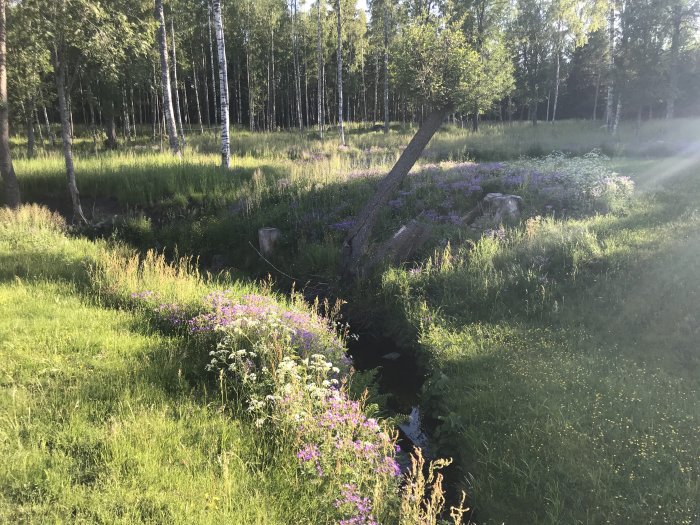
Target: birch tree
[[341, 130], [165, 81], [7, 170], [223, 86], [176, 88]]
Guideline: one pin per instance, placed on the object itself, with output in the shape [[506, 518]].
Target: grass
[[562, 360], [112, 416], [99, 427]]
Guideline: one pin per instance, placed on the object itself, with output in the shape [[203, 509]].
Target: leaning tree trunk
[[355, 244], [7, 170], [223, 86], [556, 87], [386, 68], [60, 68], [165, 74], [341, 130]]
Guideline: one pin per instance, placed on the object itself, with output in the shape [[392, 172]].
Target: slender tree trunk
[[165, 79], [306, 92], [93, 123], [672, 92], [213, 70], [297, 71], [376, 88], [240, 102], [70, 115], [29, 119], [341, 130], [60, 70], [49, 132], [125, 116], [364, 86], [176, 90], [273, 100], [556, 87], [609, 109], [618, 113], [154, 104], [186, 104], [355, 244], [386, 68], [251, 98], [223, 86], [133, 113], [38, 125], [7, 170], [207, 106], [321, 72], [196, 96], [597, 93]]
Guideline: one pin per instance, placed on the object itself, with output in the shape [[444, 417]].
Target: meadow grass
[[99, 426], [561, 351], [112, 413], [563, 359]]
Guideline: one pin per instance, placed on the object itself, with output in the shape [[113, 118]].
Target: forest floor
[[561, 352]]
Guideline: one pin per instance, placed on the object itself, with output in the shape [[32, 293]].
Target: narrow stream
[[401, 377]]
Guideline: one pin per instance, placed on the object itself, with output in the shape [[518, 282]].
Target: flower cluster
[[288, 368], [358, 507], [338, 444], [260, 317]]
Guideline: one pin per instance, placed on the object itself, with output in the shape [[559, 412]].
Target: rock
[[495, 208], [267, 239], [503, 208]]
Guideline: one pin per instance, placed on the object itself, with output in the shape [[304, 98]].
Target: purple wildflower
[[342, 225]]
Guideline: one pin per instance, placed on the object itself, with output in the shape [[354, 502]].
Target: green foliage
[[434, 65]]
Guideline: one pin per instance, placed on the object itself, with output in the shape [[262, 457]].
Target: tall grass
[[111, 416], [563, 364]]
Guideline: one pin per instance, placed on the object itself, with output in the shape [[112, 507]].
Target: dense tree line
[[178, 66], [555, 58]]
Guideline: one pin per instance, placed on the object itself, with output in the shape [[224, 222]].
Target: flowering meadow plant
[[444, 194], [289, 371]]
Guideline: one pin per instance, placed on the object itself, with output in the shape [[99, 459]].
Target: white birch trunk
[[223, 86], [341, 130], [319, 51], [176, 91], [168, 112]]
